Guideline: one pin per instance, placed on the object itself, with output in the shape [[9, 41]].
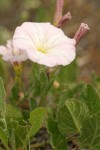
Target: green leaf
[[43, 79], [92, 99], [13, 115], [36, 71], [4, 138], [2, 74], [26, 115], [90, 134], [72, 115], [37, 117], [13, 112], [2, 96], [14, 94], [77, 90], [20, 135], [64, 96], [12, 139], [33, 103], [68, 73], [58, 141]]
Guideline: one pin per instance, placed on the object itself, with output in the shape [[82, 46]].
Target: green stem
[[4, 118], [12, 140], [43, 96], [18, 72], [4, 121], [42, 101]]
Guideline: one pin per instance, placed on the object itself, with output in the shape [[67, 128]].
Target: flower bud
[[65, 18], [81, 31], [56, 84], [58, 12]]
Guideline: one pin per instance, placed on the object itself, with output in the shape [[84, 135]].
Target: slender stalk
[[58, 12], [29, 145], [50, 75], [42, 100], [18, 72], [12, 140]]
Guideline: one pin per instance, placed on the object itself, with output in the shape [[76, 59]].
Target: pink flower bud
[[58, 12], [81, 31], [65, 18]]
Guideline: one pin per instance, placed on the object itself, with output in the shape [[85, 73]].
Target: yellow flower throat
[[42, 50]]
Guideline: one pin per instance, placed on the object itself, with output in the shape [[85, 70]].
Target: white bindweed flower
[[12, 54], [45, 44]]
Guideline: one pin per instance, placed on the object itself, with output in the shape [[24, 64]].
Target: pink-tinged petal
[[3, 50], [9, 44], [83, 29], [29, 34], [12, 54], [63, 55], [45, 44], [33, 35]]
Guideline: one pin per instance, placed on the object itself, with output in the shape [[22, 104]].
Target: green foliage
[[15, 95], [65, 95], [72, 116], [2, 96], [3, 134], [33, 104], [68, 74], [4, 138], [74, 113], [41, 83], [13, 115], [58, 140], [76, 116], [40, 79], [90, 134], [12, 112], [1, 69], [92, 99], [37, 117], [20, 134]]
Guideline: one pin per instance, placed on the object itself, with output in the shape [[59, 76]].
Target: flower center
[[15, 52], [42, 50]]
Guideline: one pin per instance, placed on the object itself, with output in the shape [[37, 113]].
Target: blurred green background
[[14, 12]]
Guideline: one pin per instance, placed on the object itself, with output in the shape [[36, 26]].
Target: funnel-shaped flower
[[45, 44], [12, 54]]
